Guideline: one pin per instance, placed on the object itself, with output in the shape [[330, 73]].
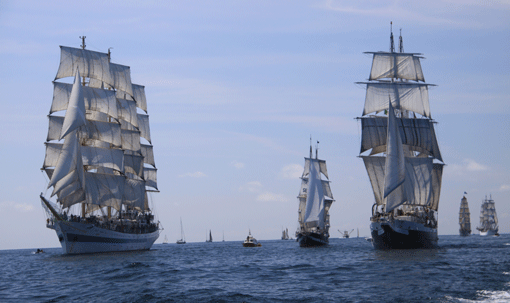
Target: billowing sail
[[396, 65], [395, 170], [315, 198], [101, 161]]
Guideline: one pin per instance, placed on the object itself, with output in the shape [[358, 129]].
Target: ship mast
[[83, 212]]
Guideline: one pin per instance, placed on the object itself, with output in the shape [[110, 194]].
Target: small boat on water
[[346, 233], [182, 240], [251, 241], [488, 218], [165, 241], [210, 237]]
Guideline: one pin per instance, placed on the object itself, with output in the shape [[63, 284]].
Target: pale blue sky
[[236, 88]]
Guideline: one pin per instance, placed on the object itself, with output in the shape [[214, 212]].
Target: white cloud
[[21, 207], [291, 171], [253, 186], [471, 165], [504, 187], [197, 174], [237, 165], [271, 197]]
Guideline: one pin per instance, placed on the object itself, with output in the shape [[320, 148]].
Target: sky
[[235, 89]]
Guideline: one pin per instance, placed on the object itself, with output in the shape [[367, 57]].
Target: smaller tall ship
[[285, 234], [182, 240], [488, 218], [100, 170], [464, 218], [315, 199], [208, 239]]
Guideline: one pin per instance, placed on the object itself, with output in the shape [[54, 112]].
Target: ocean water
[[471, 269]]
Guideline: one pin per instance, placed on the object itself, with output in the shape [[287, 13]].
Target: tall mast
[[401, 42], [392, 44], [83, 84]]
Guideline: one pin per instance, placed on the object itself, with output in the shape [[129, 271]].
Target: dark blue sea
[[471, 269]]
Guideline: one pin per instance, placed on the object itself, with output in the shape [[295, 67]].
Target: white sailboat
[[488, 218], [165, 241], [400, 152], [315, 199], [464, 218], [182, 240], [99, 169]]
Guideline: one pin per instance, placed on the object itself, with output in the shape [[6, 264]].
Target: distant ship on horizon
[[464, 218], [488, 218]]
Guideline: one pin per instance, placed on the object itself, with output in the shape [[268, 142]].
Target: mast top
[[401, 42], [317, 150], [392, 44], [83, 41]]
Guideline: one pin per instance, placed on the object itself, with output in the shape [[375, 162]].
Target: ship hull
[[312, 239], [83, 238], [400, 234], [464, 233], [490, 232]]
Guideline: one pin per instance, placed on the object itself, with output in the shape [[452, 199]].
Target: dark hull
[[464, 233], [312, 239], [392, 239]]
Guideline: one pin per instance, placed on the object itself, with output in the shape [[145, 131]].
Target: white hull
[[83, 238], [490, 232]]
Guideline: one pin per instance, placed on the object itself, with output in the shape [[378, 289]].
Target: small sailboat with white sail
[[165, 241], [315, 199], [182, 240]]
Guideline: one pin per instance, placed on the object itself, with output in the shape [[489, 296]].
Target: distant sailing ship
[[403, 150], [488, 218], [285, 234], [210, 237], [182, 240], [99, 172], [165, 241], [464, 218], [315, 199]]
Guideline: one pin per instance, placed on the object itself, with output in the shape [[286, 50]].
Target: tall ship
[[315, 199], [285, 234], [464, 218], [400, 151], [99, 158], [488, 218]]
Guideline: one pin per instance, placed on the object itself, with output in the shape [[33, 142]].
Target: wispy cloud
[[21, 207], [291, 171], [504, 187], [253, 186], [237, 165], [472, 165], [271, 197], [467, 166], [197, 174]]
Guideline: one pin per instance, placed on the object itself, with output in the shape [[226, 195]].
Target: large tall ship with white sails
[[101, 171], [315, 199], [400, 152], [464, 218], [488, 218]]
